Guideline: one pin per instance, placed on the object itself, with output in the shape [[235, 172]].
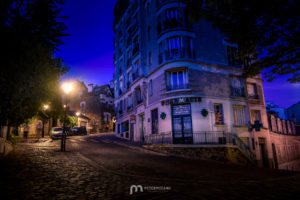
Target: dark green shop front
[[182, 124]]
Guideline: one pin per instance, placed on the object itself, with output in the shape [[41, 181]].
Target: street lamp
[[77, 114], [67, 88], [45, 107]]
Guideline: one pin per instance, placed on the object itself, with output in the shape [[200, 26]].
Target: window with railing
[[138, 93], [82, 107], [237, 87], [255, 116], [171, 18], [174, 47], [121, 105], [232, 56], [177, 47], [125, 128], [239, 117], [219, 117], [129, 102], [154, 121], [252, 91], [136, 70], [121, 81], [150, 88], [129, 80], [177, 80]]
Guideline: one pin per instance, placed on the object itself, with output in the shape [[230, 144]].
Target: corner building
[[178, 82]]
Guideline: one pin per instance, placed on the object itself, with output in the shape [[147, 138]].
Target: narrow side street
[[101, 167]]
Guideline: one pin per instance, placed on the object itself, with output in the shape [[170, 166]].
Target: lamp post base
[[63, 143]]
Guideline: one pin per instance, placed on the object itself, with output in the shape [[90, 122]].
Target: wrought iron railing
[[175, 54], [253, 96], [237, 91], [204, 137], [212, 137], [161, 138], [160, 3], [177, 87], [244, 148]]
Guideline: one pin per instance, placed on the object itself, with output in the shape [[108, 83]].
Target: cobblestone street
[[99, 167]]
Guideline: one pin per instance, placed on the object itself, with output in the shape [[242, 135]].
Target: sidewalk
[[139, 146], [33, 139]]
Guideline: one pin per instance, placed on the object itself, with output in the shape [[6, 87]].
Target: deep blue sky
[[89, 49]]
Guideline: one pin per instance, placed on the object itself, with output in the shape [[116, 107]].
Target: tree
[[70, 120], [31, 33], [267, 32]]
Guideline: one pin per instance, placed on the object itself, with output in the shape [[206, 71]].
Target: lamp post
[[45, 107], [67, 88], [77, 114]]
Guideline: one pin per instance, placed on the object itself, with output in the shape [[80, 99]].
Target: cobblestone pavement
[[99, 167]]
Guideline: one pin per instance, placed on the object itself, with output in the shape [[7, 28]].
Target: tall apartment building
[[179, 82]]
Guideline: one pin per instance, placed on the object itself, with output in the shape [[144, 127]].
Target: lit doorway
[[182, 124]]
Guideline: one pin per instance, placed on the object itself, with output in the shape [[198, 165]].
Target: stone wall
[[5, 146], [223, 154], [286, 151]]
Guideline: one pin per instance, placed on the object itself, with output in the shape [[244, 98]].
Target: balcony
[[237, 92], [177, 87], [177, 54], [161, 3], [253, 96], [170, 25]]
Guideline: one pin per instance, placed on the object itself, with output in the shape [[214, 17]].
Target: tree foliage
[[29, 75], [71, 121], [266, 31]]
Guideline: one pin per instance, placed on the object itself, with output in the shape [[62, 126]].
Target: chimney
[[90, 87]]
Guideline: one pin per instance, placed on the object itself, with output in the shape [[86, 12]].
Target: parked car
[[56, 132], [75, 130], [79, 130]]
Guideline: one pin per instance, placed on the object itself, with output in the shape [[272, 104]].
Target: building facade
[[293, 112], [285, 142], [97, 105], [180, 82]]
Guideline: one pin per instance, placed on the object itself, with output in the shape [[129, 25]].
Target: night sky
[[89, 49]]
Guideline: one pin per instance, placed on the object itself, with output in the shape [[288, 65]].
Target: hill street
[[105, 167]]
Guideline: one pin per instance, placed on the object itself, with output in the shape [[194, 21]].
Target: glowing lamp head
[[77, 114], [45, 107], [67, 87]]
